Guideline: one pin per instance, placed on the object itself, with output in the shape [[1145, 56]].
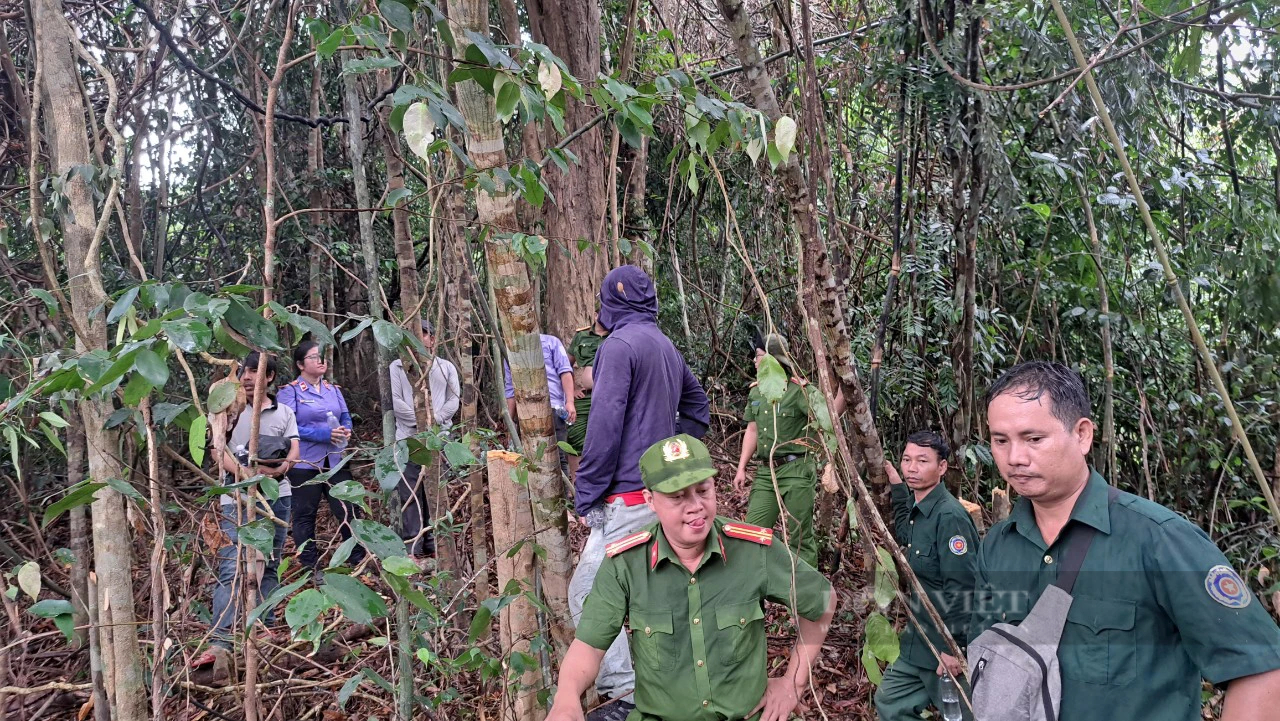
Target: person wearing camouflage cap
[[692, 589], [784, 443]]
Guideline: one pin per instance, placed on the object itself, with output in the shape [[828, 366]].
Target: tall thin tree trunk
[[571, 29], [317, 263], [68, 148], [509, 280], [1108, 363], [368, 250], [80, 548]]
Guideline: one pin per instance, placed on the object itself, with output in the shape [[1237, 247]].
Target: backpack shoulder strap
[[1078, 548]]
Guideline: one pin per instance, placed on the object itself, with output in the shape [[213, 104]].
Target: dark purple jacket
[[641, 383]]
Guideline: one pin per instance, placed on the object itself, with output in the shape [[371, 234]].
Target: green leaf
[[113, 374], [123, 305], [80, 494], [152, 367], [358, 602], [202, 306], [195, 439], [278, 595], [508, 97], [233, 347], [54, 419], [259, 534], [479, 623], [886, 584], [459, 455], [250, 324], [306, 607], [368, 65], [398, 15], [869, 664], [349, 492], [400, 566], [124, 488], [388, 334], [221, 397], [771, 379], [357, 330], [51, 607], [137, 389], [379, 539], [1040, 209], [348, 688], [394, 197], [50, 302], [882, 642], [189, 334], [327, 47], [389, 464]]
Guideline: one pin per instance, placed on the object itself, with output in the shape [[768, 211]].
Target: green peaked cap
[[673, 464]]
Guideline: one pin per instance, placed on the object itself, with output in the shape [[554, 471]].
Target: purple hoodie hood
[[627, 296]]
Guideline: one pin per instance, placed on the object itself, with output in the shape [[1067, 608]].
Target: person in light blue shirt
[[312, 399], [559, 390]]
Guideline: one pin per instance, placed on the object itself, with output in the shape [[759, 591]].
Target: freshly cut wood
[[517, 621], [1000, 505], [975, 512]]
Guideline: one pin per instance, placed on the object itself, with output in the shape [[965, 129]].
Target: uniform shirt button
[[917, 552], [1003, 616], [692, 581], [1048, 559], [648, 631], [697, 621], [742, 622], [705, 703], [699, 664]]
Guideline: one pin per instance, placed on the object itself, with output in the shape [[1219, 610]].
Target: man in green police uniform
[[785, 450], [1156, 606], [692, 589], [582, 351], [941, 543]]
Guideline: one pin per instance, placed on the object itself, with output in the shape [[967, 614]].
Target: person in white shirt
[[446, 395]]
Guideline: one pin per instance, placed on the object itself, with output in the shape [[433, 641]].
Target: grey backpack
[[1014, 669]]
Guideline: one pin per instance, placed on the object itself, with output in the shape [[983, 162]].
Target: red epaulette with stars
[[627, 542], [747, 532]]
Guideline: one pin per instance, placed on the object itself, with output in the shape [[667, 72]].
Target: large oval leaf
[[419, 129]]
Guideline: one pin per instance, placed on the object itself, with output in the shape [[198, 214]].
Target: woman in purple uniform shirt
[[312, 399]]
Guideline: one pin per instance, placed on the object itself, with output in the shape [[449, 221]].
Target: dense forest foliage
[[917, 194]]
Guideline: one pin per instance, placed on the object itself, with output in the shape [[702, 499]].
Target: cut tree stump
[[517, 621]]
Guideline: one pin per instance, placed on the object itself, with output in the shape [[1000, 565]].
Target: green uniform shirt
[[698, 640], [791, 424], [1157, 607], [583, 347], [940, 541]]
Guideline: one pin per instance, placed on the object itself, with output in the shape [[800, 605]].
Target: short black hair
[[1033, 379], [931, 439], [251, 361], [300, 353]]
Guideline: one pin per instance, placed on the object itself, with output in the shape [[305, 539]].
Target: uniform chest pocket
[[1099, 641], [653, 639], [923, 557], [742, 626]]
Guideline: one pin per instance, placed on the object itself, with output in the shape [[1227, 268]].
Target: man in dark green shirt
[[940, 541], [692, 589], [1156, 607], [582, 351]]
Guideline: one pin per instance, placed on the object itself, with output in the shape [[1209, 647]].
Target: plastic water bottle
[[950, 699], [333, 423]]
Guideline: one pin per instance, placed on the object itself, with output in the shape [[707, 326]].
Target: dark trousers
[[306, 504], [415, 512]]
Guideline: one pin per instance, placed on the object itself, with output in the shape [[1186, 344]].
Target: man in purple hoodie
[[644, 392]]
